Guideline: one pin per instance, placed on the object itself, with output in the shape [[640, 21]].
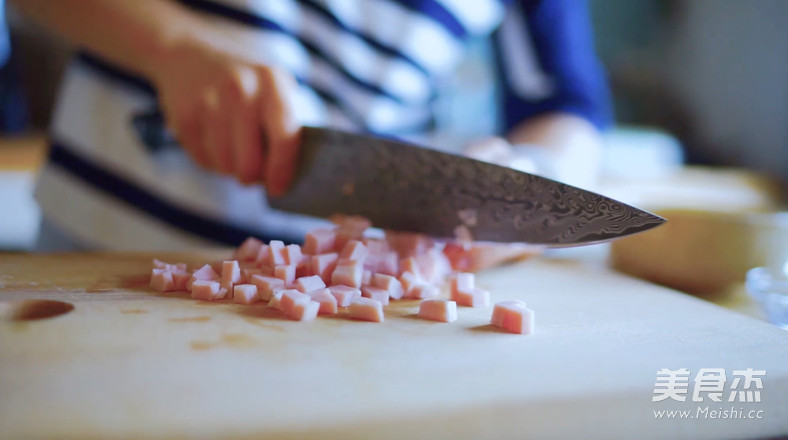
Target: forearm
[[134, 34]]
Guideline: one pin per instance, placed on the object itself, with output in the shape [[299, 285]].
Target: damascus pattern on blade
[[404, 187]]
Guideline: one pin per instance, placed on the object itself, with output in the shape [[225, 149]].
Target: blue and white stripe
[[366, 65]]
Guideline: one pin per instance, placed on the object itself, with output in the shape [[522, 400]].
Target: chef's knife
[[405, 187]]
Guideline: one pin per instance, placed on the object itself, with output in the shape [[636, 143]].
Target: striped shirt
[[370, 65]]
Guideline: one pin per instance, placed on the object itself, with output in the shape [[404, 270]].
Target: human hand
[[231, 113]]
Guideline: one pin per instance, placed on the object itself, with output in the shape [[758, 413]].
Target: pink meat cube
[[161, 280], [433, 266], [408, 281], [276, 299], [265, 285], [347, 273], [463, 281], [410, 265], [231, 273], [513, 317], [276, 252], [424, 291], [246, 274], [205, 273], [181, 279], [308, 284], [263, 257], [388, 264], [290, 298], [304, 311], [376, 246], [328, 304], [158, 264], [344, 294], [441, 310], [354, 223], [408, 244], [389, 284], [375, 293], [472, 298], [245, 294], [249, 249], [292, 254], [354, 250], [323, 265], [304, 268], [319, 241], [285, 273], [366, 277], [366, 309], [207, 290]]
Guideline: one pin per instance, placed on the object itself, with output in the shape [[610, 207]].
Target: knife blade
[[405, 187]]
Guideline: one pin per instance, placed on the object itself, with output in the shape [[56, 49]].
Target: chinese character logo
[[671, 384], [708, 382]]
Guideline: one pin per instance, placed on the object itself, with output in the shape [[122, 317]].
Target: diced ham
[[441, 310], [249, 249], [409, 281], [181, 279], [366, 309], [375, 293], [344, 294], [304, 267], [245, 294], [366, 277], [408, 244], [304, 311], [263, 257], [464, 281], [471, 257], [349, 228], [276, 252], [205, 273], [290, 298], [292, 254], [319, 241], [285, 273], [424, 291], [389, 284], [246, 274], [433, 266], [323, 265], [231, 273], [328, 303], [265, 285], [276, 299], [347, 273], [472, 298], [161, 280], [410, 264], [387, 263], [513, 317], [158, 264], [308, 284], [354, 250], [376, 246], [207, 290]]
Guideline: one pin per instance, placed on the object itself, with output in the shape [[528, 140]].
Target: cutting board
[[129, 363]]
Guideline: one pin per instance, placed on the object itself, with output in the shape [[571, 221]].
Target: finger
[[247, 131], [217, 138], [188, 131], [282, 129], [491, 149]]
